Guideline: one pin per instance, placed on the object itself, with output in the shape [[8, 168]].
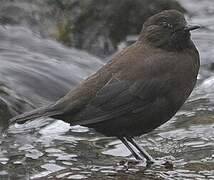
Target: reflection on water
[[61, 151], [51, 149]]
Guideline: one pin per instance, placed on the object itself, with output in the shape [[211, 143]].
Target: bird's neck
[[169, 44]]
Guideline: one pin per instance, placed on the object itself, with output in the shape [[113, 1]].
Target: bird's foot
[[130, 162], [166, 163], [133, 163]]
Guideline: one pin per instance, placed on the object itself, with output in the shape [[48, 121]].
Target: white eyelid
[[167, 25]]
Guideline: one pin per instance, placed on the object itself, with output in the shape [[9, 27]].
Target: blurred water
[[36, 71]]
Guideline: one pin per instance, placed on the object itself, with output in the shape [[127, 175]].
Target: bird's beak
[[191, 28]]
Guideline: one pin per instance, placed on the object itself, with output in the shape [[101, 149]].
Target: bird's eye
[[167, 25]]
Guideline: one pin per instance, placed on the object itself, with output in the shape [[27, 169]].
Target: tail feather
[[37, 113]]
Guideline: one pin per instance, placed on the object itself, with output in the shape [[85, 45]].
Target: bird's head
[[168, 30]]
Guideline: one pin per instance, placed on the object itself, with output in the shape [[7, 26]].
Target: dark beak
[[191, 28]]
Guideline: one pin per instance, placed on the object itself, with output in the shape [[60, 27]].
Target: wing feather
[[117, 98]]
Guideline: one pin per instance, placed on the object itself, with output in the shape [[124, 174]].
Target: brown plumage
[[142, 87]]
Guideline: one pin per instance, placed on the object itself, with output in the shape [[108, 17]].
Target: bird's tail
[[37, 113]]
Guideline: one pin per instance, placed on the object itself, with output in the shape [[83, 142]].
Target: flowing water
[[36, 71]]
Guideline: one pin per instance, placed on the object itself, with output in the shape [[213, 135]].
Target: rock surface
[[94, 25]]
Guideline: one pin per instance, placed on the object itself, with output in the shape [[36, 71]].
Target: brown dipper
[[141, 88]]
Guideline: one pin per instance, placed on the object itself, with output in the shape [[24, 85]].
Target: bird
[[139, 89]]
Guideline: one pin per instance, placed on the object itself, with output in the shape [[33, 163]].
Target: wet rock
[[5, 114]]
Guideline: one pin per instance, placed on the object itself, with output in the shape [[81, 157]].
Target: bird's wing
[[120, 97], [115, 98]]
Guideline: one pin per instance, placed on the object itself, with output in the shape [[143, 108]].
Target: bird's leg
[[146, 155], [126, 143]]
